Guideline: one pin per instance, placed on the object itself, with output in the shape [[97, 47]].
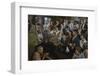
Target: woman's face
[[57, 22], [40, 49]]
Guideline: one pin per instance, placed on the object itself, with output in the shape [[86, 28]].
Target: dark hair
[[75, 31]]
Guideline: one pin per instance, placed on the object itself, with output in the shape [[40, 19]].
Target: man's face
[[51, 23], [82, 37]]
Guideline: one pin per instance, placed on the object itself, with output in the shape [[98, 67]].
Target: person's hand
[[46, 54]]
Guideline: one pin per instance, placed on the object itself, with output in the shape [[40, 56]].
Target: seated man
[[40, 55], [78, 53]]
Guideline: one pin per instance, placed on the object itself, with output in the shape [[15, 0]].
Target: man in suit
[[76, 38]]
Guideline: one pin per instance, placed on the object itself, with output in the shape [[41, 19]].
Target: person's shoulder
[[36, 53]]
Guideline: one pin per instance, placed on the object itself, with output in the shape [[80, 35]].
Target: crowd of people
[[60, 37]]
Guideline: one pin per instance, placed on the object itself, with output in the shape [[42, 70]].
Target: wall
[[5, 35]]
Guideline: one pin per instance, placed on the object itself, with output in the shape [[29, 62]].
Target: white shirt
[[40, 36], [71, 26]]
